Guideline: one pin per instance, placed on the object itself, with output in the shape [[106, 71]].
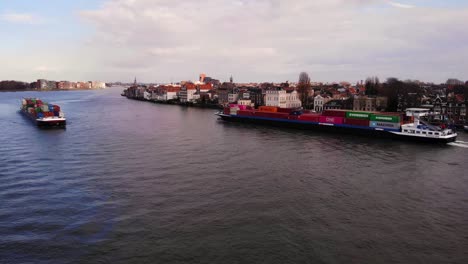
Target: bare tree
[[372, 85], [303, 88]]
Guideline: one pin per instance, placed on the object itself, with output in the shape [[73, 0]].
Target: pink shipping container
[[331, 120], [242, 107], [233, 105]]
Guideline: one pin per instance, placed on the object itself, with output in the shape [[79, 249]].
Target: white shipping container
[[45, 108]]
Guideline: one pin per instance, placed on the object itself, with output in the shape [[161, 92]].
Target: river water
[[136, 182]]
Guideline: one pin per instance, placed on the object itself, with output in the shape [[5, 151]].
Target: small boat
[[44, 115]]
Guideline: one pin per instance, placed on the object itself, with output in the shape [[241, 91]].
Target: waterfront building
[[98, 85], [83, 85], [43, 84], [232, 97], [282, 98], [66, 85], [338, 104], [319, 102], [187, 91], [369, 103], [257, 96], [165, 92]]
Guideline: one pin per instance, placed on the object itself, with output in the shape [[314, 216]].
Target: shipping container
[[285, 110], [385, 118], [233, 110], [378, 124], [358, 115], [337, 113], [268, 108], [356, 122], [271, 115], [309, 117], [244, 113], [242, 107], [226, 110], [44, 108], [331, 120]]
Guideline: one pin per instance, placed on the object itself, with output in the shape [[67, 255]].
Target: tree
[[372, 85], [392, 89], [303, 88]]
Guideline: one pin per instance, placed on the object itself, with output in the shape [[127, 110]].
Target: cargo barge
[[388, 125], [44, 115]]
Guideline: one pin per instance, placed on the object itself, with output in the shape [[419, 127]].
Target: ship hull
[[50, 122], [332, 128]]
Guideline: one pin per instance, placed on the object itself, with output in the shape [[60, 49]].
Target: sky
[[252, 40]]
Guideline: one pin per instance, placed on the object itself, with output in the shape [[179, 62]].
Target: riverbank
[[51, 90], [174, 102]]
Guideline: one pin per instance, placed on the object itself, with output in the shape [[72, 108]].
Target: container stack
[[385, 120], [40, 109], [362, 119], [357, 118]]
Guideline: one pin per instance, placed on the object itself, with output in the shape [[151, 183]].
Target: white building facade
[[283, 99]]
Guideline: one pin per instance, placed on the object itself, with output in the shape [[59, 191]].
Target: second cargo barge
[[44, 115], [390, 125]]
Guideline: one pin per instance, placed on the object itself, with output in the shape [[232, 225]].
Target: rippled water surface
[[135, 182]]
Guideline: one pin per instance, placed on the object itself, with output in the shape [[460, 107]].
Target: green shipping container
[[385, 118], [358, 115]]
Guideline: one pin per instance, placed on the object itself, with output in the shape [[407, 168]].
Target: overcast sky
[[253, 40]]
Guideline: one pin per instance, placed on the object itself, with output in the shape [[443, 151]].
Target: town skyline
[[258, 41]]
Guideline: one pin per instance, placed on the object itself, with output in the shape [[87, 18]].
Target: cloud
[[45, 69], [19, 18], [274, 40], [400, 5]]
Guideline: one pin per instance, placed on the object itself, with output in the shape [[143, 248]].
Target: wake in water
[[461, 144]]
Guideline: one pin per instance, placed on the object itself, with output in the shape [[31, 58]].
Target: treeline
[[406, 94], [14, 86]]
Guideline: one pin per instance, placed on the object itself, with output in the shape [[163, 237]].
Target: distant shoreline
[[50, 90]]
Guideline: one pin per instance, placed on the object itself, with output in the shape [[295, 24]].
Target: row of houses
[[320, 98], [43, 84]]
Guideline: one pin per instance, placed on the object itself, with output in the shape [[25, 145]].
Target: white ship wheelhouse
[[420, 128]]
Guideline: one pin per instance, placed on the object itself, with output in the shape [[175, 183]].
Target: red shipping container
[[244, 113], [227, 110], [331, 120], [310, 117], [285, 110], [337, 113], [356, 122], [56, 108]]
